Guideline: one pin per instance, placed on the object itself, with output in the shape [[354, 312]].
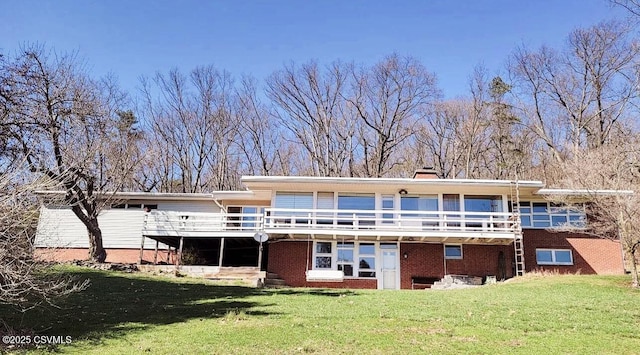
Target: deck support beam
[[221, 252], [179, 258], [260, 257], [155, 254], [141, 250]]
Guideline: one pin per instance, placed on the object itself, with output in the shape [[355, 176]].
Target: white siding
[[121, 228], [188, 206]]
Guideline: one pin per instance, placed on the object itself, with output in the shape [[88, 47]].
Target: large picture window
[[554, 257], [354, 259], [357, 202]]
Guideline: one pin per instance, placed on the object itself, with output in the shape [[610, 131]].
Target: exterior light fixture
[[402, 192], [405, 255]]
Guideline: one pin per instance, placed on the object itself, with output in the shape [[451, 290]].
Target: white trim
[[222, 195], [585, 193]]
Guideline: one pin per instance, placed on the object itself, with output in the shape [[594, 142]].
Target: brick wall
[[427, 260], [288, 259], [591, 255], [130, 256]]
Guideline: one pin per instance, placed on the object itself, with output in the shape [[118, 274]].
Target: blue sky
[[134, 37]]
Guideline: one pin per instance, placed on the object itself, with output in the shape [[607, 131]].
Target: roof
[[385, 185], [585, 193]]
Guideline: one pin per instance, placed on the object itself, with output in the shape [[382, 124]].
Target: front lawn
[[134, 313]]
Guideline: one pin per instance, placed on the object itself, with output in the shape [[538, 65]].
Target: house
[[385, 233]]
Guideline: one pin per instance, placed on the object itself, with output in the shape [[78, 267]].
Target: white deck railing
[[194, 223], [344, 220], [279, 220]]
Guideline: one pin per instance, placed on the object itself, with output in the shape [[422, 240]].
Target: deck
[[499, 227]]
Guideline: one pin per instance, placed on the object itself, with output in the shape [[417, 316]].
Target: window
[[249, 217], [324, 201], [294, 200], [549, 215], [366, 260], [554, 257], [421, 203], [418, 203], [387, 205], [453, 251], [451, 203], [134, 206], [242, 217], [345, 258], [355, 202], [354, 259], [323, 255], [482, 203]]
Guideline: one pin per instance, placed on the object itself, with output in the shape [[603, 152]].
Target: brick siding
[[287, 259], [127, 256], [591, 255]]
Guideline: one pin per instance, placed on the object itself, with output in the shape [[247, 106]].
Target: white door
[[389, 269]]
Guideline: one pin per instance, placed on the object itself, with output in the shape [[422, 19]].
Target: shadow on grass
[[117, 303], [338, 292]]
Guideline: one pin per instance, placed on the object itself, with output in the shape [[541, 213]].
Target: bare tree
[[261, 137], [614, 214], [24, 282], [191, 130], [70, 129], [633, 6], [456, 136], [390, 98], [310, 105], [579, 96]]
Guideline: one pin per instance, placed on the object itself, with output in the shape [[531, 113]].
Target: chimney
[[426, 173]]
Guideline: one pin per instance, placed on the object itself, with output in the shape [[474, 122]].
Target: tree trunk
[[634, 270], [96, 250]]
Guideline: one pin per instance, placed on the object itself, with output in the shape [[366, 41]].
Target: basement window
[[453, 251], [554, 257]]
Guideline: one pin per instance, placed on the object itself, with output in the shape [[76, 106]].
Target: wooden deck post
[[260, 257], [221, 252], [179, 258], [141, 250], [155, 254]]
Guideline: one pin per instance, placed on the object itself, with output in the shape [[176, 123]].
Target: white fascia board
[[586, 193], [250, 180], [158, 196]]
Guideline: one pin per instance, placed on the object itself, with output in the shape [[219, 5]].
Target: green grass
[[124, 313]]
